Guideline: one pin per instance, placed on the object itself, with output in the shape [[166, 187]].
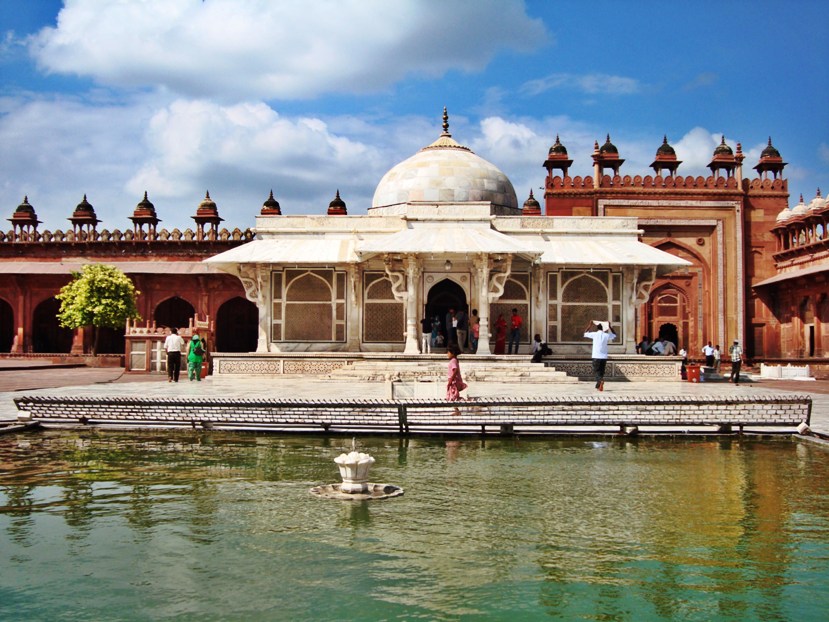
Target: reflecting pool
[[212, 526]]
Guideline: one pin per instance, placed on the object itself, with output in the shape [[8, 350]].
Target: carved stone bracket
[[498, 279], [642, 283], [251, 278], [398, 281]]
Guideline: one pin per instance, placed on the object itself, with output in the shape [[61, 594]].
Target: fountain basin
[[372, 491]]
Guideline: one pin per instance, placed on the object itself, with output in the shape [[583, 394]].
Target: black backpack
[[199, 349]]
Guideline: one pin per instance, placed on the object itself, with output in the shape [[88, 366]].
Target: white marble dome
[[800, 208], [445, 172], [784, 215], [817, 203]]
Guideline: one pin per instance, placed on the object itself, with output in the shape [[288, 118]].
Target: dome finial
[[445, 122]]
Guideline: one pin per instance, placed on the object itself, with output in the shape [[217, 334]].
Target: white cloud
[[592, 84], [696, 149], [261, 49], [519, 148], [244, 150], [55, 150]]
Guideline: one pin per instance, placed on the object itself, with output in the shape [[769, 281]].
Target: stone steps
[[476, 371]]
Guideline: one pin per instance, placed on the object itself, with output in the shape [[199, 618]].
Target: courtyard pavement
[[36, 378]]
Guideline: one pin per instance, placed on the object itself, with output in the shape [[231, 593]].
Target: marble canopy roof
[[540, 241]]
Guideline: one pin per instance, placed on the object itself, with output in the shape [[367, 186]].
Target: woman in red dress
[[500, 334]]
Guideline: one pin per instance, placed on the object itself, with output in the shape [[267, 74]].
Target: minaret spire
[[445, 122]]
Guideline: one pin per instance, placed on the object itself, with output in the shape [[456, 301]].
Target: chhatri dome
[[445, 172]]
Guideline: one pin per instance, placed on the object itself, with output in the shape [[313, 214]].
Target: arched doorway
[[669, 313], [6, 326], [111, 340], [237, 326], [174, 312], [670, 333], [443, 296], [48, 336]]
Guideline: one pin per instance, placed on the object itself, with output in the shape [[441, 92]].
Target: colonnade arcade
[[377, 305], [36, 329]]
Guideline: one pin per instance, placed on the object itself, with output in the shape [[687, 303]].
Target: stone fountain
[[354, 467]]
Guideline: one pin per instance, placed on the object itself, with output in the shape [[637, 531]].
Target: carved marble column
[[254, 280], [538, 288], [492, 274], [639, 280], [413, 272], [352, 314], [407, 279], [482, 271]]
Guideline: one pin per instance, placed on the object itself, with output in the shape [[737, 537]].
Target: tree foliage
[[99, 295]]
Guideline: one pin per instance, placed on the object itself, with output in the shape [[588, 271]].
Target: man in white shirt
[[173, 344], [708, 351], [600, 335]]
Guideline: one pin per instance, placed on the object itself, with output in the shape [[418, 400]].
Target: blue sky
[[239, 97]]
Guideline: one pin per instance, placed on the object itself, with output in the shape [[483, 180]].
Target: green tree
[[99, 295]]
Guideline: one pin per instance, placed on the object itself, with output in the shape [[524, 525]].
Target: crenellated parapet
[[770, 185], [569, 183], [656, 182], [116, 235]]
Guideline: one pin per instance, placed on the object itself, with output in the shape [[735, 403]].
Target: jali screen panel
[[308, 305]]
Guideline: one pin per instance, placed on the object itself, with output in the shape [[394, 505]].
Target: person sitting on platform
[[657, 347], [540, 349]]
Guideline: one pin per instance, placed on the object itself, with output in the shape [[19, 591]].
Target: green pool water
[[195, 526]]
